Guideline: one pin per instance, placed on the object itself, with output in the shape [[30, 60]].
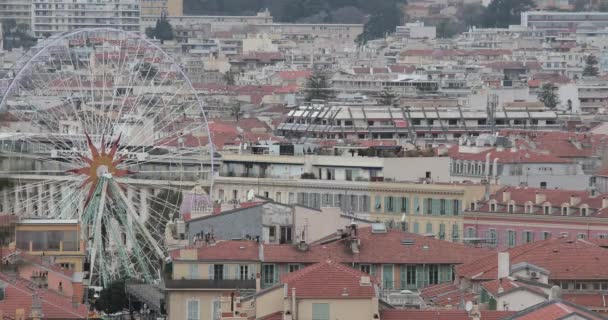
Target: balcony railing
[[209, 284]]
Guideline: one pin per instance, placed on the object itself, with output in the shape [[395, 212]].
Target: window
[[581, 286], [512, 238], [433, 274], [294, 267], [404, 205], [582, 236], [216, 311], [442, 206], [349, 175], [410, 275], [366, 268], [193, 270], [286, 235], [390, 204], [564, 211], [218, 271], [429, 206], [546, 235], [471, 232], [429, 228], [492, 236], [442, 231], [277, 197], [269, 274], [527, 236], [272, 233], [243, 272], [193, 310], [493, 207], [546, 209], [427, 175], [320, 311], [584, 212], [455, 207], [543, 185], [472, 206], [511, 208]]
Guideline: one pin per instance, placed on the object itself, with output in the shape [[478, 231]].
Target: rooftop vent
[[378, 228], [407, 242]]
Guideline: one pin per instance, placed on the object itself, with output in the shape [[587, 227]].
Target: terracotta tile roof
[[265, 57], [520, 196], [404, 314], [588, 300], [273, 316], [508, 286], [329, 280], [293, 75], [565, 259], [506, 156], [554, 310], [54, 306], [561, 144], [378, 248], [441, 295]]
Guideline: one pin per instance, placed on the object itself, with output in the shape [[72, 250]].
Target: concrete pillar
[[143, 204], [5, 202], [28, 199], [40, 201], [51, 201]]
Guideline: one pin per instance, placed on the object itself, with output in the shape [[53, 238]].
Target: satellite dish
[[468, 306], [250, 195]]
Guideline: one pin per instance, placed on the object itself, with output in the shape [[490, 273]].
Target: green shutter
[[436, 206], [386, 205], [320, 311], [442, 231], [420, 277], [378, 204], [416, 227], [449, 208], [456, 209], [455, 232], [416, 205], [373, 269], [211, 272], [429, 227]]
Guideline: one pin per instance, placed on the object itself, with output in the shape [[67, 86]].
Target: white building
[[416, 30], [563, 20], [54, 17], [21, 11]]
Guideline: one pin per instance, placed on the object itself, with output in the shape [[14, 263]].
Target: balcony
[[209, 284]]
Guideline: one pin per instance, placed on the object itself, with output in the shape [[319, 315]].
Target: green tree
[[502, 13], [114, 298], [229, 78], [603, 7], [591, 69], [317, 87], [384, 20], [163, 30], [146, 70], [548, 96], [472, 14], [387, 96], [236, 111]]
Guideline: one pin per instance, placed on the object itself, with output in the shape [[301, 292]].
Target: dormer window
[[564, 211], [584, 212], [493, 207], [511, 207], [529, 207], [546, 209]]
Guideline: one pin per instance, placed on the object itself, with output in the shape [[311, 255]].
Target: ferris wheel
[[104, 127]]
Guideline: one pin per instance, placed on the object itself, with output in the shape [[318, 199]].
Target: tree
[[163, 30], [114, 298], [384, 20], [236, 112], [548, 96], [603, 7], [146, 70], [229, 78], [386, 97], [502, 13], [472, 14], [591, 69], [317, 87]]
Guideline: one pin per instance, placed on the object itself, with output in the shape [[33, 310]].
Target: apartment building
[[20, 11], [50, 18], [218, 23], [156, 8], [515, 216], [563, 20]]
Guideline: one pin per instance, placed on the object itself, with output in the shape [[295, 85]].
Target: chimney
[[503, 265], [574, 200], [293, 304], [20, 314], [506, 196], [475, 314], [556, 293], [258, 283], [540, 198], [36, 311], [604, 202]]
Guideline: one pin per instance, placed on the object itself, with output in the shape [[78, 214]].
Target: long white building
[[58, 16]]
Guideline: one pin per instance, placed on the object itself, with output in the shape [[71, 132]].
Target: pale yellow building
[[59, 239], [155, 8]]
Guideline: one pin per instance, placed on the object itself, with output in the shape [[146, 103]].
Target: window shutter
[[252, 271], [373, 269], [416, 205], [211, 272], [276, 272], [449, 207], [403, 276], [436, 206], [416, 227], [226, 271], [386, 205]]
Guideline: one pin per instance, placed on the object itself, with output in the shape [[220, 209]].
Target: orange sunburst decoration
[[100, 164]]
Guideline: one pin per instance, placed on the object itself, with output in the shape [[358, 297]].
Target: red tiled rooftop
[[378, 248], [329, 280], [555, 310], [588, 300], [506, 156], [565, 259], [293, 75], [509, 285], [406, 314], [227, 250]]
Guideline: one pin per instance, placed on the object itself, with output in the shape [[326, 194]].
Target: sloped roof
[[554, 310], [329, 280], [510, 285], [229, 250], [565, 259], [405, 314], [506, 156]]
